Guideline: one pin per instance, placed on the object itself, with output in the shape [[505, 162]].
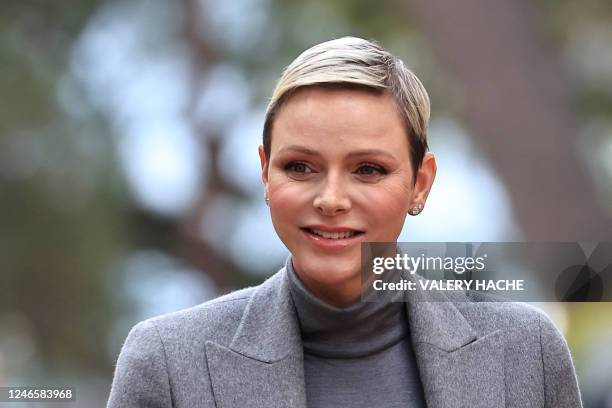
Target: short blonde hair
[[351, 62]]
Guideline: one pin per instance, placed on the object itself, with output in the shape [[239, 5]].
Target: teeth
[[334, 235]]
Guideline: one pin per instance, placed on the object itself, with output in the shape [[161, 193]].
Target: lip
[[327, 228], [327, 243]]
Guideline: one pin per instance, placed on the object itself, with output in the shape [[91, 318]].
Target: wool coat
[[244, 350]]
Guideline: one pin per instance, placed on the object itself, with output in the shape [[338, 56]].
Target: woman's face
[[339, 173]]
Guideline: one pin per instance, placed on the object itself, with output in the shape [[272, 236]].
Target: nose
[[332, 198]]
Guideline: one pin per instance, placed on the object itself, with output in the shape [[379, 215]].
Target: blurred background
[[129, 176]]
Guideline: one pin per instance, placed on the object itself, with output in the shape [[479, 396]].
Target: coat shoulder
[[533, 344], [486, 314], [215, 320], [162, 349]]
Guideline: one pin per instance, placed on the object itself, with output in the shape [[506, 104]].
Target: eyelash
[[381, 170]]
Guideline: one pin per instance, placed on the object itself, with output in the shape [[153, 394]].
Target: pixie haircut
[[351, 62]]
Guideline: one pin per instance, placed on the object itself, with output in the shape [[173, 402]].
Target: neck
[[343, 293], [339, 295]]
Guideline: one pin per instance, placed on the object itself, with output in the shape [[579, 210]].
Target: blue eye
[[298, 167], [370, 169]]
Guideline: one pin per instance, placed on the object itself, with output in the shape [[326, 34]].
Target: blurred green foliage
[[62, 201]]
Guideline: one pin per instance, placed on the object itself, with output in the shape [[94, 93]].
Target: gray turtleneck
[[359, 356]]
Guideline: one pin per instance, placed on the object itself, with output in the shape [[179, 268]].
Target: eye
[[297, 167], [371, 170]]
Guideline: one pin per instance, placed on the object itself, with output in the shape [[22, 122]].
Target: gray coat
[[244, 350]]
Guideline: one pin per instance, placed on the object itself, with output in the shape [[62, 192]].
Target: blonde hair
[[351, 62]]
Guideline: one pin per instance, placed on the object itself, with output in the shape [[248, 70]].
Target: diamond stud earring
[[267, 201]]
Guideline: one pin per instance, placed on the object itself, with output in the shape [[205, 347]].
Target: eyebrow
[[356, 153]]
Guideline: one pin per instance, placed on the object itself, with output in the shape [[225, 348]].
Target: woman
[[344, 160]]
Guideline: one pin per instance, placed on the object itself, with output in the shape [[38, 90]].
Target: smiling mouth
[[333, 235]]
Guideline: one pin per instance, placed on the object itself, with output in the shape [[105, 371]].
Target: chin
[[328, 270]]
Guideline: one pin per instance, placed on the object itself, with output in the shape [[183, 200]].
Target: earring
[[416, 210], [267, 201]]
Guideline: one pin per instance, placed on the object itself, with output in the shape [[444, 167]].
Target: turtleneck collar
[[359, 330]]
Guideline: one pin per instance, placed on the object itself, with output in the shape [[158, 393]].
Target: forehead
[[340, 119]]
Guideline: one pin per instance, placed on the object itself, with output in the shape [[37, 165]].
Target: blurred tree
[[64, 206], [61, 201], [518, 103]]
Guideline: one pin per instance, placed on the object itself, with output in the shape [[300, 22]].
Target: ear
[[424, 180], [264, 168]]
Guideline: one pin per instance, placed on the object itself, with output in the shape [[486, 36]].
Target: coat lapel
[[263, 365], [457, 367]]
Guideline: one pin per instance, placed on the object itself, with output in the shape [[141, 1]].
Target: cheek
[[286, 199], [389, 201]]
